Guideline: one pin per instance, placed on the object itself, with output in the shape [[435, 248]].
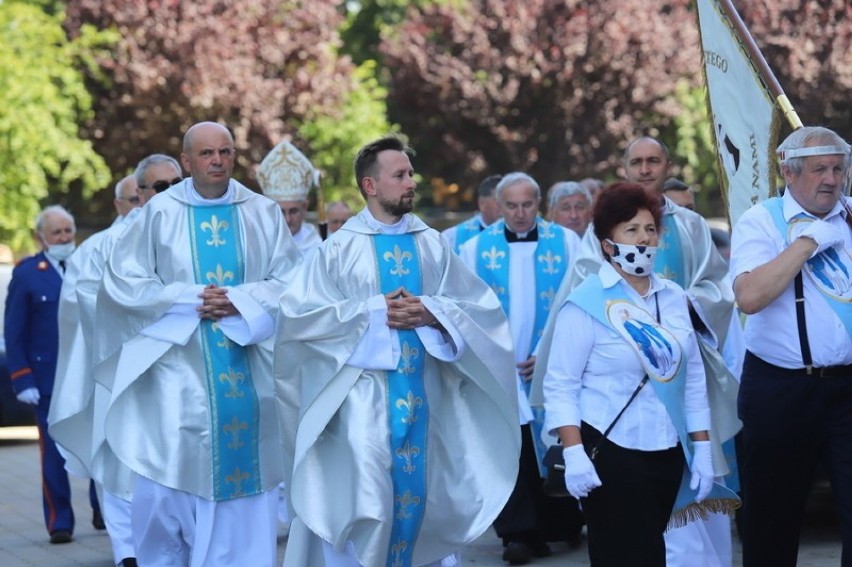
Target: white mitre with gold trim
[[285, 174]]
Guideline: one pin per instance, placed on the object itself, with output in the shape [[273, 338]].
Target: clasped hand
[[215, 303], [406, 311]]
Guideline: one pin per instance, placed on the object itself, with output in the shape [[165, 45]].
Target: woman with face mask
[[625, 392]]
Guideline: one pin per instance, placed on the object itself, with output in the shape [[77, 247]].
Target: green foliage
[[43, 101], [335, 138]]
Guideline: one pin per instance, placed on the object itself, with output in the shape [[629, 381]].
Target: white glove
[[29, 396], [826, 235], [701, 469], [580, 475]]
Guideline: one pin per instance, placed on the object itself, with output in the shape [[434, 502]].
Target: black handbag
[[554, 482]]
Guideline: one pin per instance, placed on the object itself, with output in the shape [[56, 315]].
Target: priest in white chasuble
[[393, 370], [186, 320]]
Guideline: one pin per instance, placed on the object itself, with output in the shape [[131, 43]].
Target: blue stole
[[669, 261], [398, 263], [467, 230], [829, 270], [551, 263], [217, 258], [662, 359]]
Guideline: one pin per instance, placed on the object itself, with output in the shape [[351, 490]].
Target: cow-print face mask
[[633, 259]]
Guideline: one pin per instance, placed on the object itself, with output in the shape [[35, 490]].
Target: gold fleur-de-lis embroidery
[[498, 289], [237, 478], [405, 502], [493, 256], [410, 403], [215, 226], [550, 260], [234, 379], [407, 357], [408, 453], [397, 550], [547, 297], [220, 277], [546, 232], [496, 228], [399, 258], [224, 341], [668, 274], [233, 429]]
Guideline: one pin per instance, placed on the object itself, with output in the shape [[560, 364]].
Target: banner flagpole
[[762, 66], [322, 223], [747, 107]]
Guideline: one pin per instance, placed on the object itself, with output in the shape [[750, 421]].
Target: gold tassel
[[702, 510]]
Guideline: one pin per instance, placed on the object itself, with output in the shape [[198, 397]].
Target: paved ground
[[23, 541]]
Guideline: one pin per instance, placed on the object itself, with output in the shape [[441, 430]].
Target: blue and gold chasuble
[[408, 410], [830, 270], [217, 254], [662, 358], [551, 263]]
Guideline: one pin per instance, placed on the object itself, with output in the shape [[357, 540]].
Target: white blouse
[[592, 372]]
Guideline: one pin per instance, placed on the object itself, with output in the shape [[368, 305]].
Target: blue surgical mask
[[60, 252]]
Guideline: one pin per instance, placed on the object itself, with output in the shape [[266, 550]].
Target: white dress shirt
[[592, 372], [773, 334]]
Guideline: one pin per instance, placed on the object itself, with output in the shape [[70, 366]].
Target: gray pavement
[[24, 542]]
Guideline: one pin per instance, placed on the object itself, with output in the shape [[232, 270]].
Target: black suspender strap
[[800, 322]]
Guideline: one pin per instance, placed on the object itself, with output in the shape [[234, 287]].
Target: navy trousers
[[791, 421], [55, 488]]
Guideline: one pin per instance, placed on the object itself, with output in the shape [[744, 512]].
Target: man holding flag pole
[[792, 267]]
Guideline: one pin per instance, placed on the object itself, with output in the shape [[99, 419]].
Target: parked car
[[12, 412]]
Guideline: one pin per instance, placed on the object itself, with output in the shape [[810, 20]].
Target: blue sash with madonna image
[[662, 358], [829, 270], [398, 264]]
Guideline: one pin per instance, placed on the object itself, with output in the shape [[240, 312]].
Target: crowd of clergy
[[218, 365]]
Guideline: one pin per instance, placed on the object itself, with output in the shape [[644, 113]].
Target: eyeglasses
[[134, 200], [161, 185]]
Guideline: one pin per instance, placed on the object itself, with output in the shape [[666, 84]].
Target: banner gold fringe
[[702, 510]]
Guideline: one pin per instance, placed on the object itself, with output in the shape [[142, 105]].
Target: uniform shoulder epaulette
[[24, 260]]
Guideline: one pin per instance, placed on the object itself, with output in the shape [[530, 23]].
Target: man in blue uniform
[[32, 340]]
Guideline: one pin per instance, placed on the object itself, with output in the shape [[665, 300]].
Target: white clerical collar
[[397, 228], [195, 198]]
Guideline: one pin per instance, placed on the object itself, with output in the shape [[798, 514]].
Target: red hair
[[619, 203]]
